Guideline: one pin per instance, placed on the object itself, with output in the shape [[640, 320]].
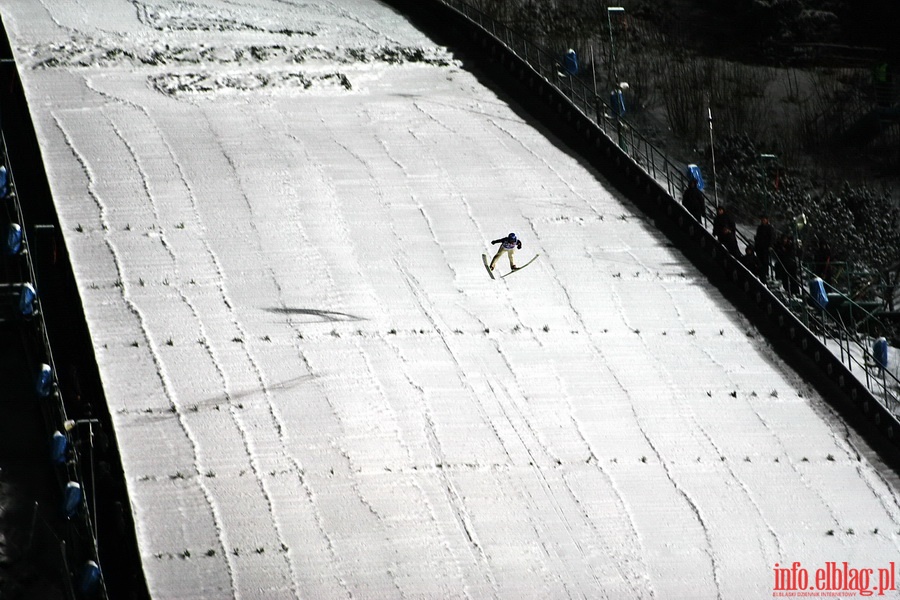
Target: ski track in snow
[[211, 350], [703, 431], [633, 547], [532, 433], [867, 474], [597, 349], [619, 496], [714, 566], [263, 387], [535, 436], [548, 166], [525, 432], [402, 443], [709, 549], [623, 311], [438, 456], [343, 12], [221, 534], [296, 465], [254, 365], [53, 18], [414, 287], [440, 462], [310, 496], [686, 410]]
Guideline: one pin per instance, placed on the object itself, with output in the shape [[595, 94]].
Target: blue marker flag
[[694, 171], [571, 62]]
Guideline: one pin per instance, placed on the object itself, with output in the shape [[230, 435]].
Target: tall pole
[[712, 147], [93, 479], [612, 45], [598, 105], [594, 73], [616, 101], [765, 175]]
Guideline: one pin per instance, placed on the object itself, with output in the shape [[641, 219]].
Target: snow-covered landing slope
[[275, 212]]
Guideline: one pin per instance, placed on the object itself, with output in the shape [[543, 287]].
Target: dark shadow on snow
[[324, 315], [225, 400]]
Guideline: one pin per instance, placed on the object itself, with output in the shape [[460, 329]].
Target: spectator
[[765, 236], [693, 200], [750, 260], [725, 231], [786, 252], [570, 61], [822, 259]]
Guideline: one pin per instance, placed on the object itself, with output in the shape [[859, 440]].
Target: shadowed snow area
[[276, 211]]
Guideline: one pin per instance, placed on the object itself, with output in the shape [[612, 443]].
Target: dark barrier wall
[[794, 342]]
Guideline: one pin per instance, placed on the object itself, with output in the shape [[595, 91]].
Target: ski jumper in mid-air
[[509, 244]]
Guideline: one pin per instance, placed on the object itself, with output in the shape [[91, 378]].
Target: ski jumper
[[509, 244]]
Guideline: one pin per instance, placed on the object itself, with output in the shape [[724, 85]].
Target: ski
[[534, 258], [487, 266]]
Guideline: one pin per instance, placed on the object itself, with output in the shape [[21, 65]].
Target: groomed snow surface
[[276, 211]]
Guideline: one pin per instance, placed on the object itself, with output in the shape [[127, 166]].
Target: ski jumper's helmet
[[512, 237]]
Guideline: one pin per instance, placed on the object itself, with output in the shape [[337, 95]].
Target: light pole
[[616, 100], [612, 46], [712, 149], [765, 174]]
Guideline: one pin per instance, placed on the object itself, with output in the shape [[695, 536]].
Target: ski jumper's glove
[[519, 244]]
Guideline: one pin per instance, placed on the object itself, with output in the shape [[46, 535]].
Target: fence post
[[34, 515]]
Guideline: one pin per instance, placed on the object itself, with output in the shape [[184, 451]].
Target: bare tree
[[683, 88]]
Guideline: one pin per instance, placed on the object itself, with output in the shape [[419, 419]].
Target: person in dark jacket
[[750, 260], [786, 252], [765, 237], [726, 232], [693, 200], [508, 244], [822, 259]]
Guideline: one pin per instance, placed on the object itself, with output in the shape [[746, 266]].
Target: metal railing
[[856, 350], [78, 541]]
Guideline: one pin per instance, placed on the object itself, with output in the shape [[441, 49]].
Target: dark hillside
[[782, 32]]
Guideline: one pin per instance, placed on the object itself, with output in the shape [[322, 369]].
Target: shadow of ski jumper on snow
[[324, 315]]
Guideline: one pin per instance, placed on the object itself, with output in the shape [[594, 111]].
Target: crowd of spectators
[[771, 255]]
